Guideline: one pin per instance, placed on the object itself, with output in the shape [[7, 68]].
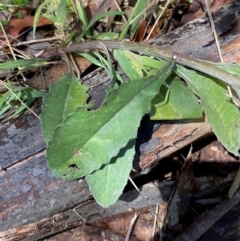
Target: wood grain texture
[[34, 204]]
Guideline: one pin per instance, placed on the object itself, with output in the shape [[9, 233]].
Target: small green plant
[[100, 144], [15, 99], [4, 22], [17, 3], [20, 3], [57, 12], [4, 6], [17, 15]]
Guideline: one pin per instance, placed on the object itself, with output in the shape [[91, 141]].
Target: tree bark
[[34, 204]]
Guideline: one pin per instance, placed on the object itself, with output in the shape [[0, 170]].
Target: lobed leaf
[[63, 98], [88, 139]]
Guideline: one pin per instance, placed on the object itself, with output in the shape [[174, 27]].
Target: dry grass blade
[[207, 4], [160, 15], [5, 85]]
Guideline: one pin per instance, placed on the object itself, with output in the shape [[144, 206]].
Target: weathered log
[[196, 39], [168, 139], [34, 204]]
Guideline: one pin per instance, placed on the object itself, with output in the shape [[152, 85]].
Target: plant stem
[[157, 52]]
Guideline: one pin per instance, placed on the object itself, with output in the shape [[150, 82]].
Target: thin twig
[[144, 199], [120, 10], [131, 226], [160, 15], [151, 4], [155, 222], [158, 52], [11, 50], [35, 41], [207, 4], [78, 71]]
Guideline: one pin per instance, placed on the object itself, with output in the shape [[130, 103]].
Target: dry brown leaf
[[15, 26], [139, 36]]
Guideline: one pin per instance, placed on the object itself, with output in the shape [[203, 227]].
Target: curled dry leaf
[[15, 26]]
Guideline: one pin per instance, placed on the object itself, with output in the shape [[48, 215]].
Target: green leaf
[[3, 99], [61, 13], [130, 68], [235, 185], [106, 36], [179, 104], [231, 68], [37, 15], [88, 139], [92, 59], [63, 98], [136, 61], [81, 13], [25, 63], [4, 103], [134, 18], [136, 15], [18, 97], [221, 113], [21, 108], [95, 19], [107, 183], [151, 62]]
